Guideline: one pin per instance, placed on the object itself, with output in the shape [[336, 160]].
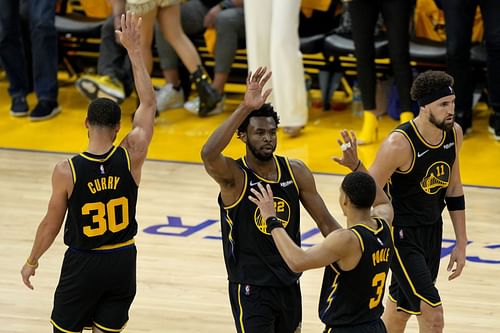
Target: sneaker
[[193, 106], [95, 86], [44, 110], [494, 126], [169, 98], [19, 107]]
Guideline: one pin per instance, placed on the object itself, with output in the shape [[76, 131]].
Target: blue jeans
[[459, 16], [41, 15]]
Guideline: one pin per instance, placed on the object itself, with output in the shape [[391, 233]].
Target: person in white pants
[[272, 40]]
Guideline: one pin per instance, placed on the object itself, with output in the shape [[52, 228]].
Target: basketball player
[[419, 161], [357, 259], [264, 293], [98, 190]]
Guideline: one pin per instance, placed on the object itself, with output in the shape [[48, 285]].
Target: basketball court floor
[[182, 284]]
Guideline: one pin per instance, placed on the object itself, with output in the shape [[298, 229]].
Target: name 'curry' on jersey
[[418, 193], [101, 208], [250, 253], [355, 297]]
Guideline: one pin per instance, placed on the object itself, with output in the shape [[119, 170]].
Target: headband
[[437, 94]]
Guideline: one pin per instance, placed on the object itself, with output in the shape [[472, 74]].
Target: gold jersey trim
[[403, 309], [242, 194], [115, 246], [375, 231], [241, 309], [73, 172], [409, 280], [413, 150], [423, 140], [110, 329], [359, 238], [97, 159], [128, 157], [62, 329], [262, 178]]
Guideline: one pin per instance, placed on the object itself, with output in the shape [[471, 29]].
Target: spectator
[[396, 15], [168, 14], [197, 15], [41, 15], [459, 18], [272, 39]]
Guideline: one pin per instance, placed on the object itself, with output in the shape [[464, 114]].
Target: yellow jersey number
[[104, 216], [378, 282]]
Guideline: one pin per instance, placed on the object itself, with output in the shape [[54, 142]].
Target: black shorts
[[266, 309], [372, 327], [96, 288], [415, 267]]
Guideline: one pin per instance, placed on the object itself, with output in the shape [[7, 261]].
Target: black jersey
[[249, 251], [101, 209], [418, 193], [355, 297]]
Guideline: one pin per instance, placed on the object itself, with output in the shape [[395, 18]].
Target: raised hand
[[264, 199], [254, 98], [349, 147], [129, 35]]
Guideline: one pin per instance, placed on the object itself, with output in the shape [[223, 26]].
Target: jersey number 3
[[104, 215], [378, 282]]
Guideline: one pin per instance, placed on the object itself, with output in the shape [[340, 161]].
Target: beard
[[442, 125], [261, 156]]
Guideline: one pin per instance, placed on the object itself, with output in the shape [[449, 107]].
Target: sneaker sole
[[54, 112], [170, 107], [219, 108], [94, 95], [19, 114]]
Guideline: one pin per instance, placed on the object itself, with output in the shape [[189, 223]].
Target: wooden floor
[[181, 279], [181, 276]]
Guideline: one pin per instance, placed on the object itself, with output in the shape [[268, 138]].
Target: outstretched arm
[[382, 206], [337, 245], [137, 141], [219, 167], [311, 199], [51, 223], [457, 215]]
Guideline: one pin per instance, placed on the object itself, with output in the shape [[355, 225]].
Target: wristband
[[357, 166], [272, 222], [455, 203], [29, 264]]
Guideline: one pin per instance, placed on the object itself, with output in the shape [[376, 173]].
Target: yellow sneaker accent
[[405, 116], [369, 131]]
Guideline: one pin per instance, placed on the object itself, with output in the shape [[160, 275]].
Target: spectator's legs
[[12, 50], [44, 48], [169, 19], [364, 16], [396, 16], [230, 28], [147, 31], [459, 17], [490, 10], [192, 15], [113, 59]]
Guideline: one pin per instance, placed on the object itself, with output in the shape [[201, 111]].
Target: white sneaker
[[193, 106], [169, 98]]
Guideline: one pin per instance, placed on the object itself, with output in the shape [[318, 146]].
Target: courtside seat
[[312, 44], [78, 40], [337, 45], [434, 53]]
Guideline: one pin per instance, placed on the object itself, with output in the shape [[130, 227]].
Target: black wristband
[[455, 203], [357, 166], [272, 222]]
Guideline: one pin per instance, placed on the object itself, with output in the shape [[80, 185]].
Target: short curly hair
[[266, 110], [428, 82]]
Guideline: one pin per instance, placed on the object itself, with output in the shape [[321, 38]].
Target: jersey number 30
[[104, 215]]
